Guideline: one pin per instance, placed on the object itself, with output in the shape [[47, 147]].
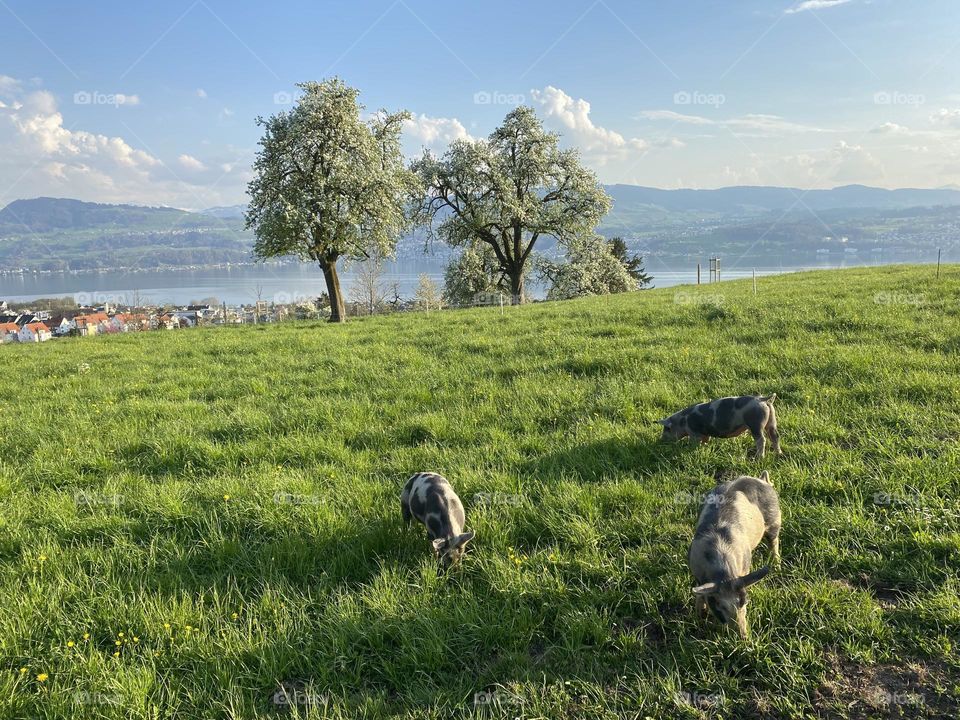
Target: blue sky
[[155, 103]]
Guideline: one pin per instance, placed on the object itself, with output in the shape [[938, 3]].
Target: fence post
[[698, 273], [939, 254]]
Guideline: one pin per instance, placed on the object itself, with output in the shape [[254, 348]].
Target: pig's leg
[[761, 443], [773, 534], [772, 432]]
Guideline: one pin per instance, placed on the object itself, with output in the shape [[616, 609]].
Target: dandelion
[[166, 626], [42, 677], [116, 654], [119, 635], [70, 643], [226, 497], [234, 616], [136, 639], [42, 558], [23, 671], [118, 643], [86, 636]]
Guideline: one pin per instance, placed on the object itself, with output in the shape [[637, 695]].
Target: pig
[[430, 498], [726, 417], [735, 517]]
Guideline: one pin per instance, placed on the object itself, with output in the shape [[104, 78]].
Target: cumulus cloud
[[191, 163], [572, 116], [815, 5], [434, 133], [201, 93], [946, 117], [45, 155], [890, 128]]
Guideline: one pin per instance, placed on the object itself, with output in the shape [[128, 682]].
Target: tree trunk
[[516, 286], [337, 311]]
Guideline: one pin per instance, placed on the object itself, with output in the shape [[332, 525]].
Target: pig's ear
[[706, 589], [754, 577], [439, 544], [462, 540], [765, 476], [665, 422]]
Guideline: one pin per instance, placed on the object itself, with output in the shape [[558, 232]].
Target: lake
[[245, 284]]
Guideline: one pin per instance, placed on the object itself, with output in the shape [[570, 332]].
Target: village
[[25, 325]]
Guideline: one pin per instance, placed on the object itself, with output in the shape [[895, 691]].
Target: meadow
[[205, 523]]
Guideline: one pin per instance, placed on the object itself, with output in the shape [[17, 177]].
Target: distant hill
[[62, 234], [226, 211], [752, 200], [51, 214]]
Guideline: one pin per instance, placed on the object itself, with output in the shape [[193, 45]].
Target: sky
[[156, 103]]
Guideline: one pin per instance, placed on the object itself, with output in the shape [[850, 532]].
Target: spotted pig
[[726, 417], [430, 498], [734, 519]]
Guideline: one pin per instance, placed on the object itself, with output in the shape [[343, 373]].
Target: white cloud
[[435, 133], [947, 118], [599, 145], [750, 124], [189, 162], [675, 117], [201, 93], [815, 5], [45, 155], [890, 128]]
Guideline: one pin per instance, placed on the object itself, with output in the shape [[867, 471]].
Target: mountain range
[[63, 234]]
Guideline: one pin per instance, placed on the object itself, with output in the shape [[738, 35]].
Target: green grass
[[145, 486]]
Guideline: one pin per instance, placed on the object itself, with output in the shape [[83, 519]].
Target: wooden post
[[698, 273], [939, 254], [501, 303]]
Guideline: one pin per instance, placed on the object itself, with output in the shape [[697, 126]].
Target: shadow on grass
[[596, 461]]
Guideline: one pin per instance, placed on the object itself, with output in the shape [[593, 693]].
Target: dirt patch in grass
[[909, 689]]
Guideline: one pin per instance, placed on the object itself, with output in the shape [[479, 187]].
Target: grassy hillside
[[191, 519]]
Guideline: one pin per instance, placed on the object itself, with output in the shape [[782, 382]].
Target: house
[[34, 332], [129, 322], [167, 322], [9, 332], [91, 324]]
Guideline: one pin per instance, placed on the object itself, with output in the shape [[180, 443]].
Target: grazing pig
[[429, 498], [736, 515], [726, 417]]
